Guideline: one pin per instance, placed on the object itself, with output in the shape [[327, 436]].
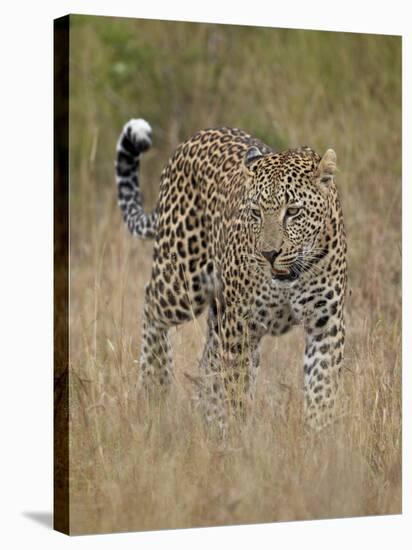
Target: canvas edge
[[61, 497]]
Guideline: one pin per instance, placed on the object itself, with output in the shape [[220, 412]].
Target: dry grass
[[134, 471]]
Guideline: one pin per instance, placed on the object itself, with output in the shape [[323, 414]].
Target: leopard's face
[[287, 211]]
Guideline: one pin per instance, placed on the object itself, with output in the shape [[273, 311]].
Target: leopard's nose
[[270, 255]]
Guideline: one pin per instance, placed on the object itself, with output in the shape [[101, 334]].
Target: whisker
[[304, 267]]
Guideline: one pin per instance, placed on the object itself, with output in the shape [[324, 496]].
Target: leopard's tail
[[134, 140]]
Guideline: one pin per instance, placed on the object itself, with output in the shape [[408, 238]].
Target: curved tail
[[134, 140]]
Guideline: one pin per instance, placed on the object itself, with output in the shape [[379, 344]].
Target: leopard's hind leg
[[155, 352]]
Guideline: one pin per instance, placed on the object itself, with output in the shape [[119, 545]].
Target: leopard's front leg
[[325, 339], [229, 367]]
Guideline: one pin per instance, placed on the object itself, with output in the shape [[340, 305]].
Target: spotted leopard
[[255, 236]]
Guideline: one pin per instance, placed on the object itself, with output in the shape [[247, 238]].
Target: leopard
[[253, 235]]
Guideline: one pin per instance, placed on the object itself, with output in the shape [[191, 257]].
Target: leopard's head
[[288, 208]]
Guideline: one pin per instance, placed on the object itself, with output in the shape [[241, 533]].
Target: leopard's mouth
[[283, 274]]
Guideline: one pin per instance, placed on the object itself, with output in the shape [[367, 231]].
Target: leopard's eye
[[255, 212], [292, 211]]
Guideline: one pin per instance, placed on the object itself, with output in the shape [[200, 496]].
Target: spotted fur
[[257, 238]]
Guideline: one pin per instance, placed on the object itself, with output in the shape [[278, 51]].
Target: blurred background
[[288, 88]]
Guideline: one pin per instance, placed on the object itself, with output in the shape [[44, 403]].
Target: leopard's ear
[[252, 154], [326, 168]]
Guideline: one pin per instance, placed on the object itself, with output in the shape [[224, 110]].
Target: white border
[[26, 268]]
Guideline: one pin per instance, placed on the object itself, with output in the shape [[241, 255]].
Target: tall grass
[[131, 470]]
